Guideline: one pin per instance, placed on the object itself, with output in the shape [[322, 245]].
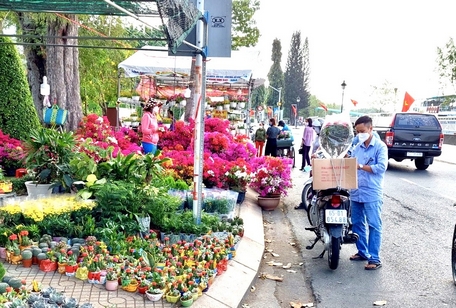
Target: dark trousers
[[271, 147], [305, 156]]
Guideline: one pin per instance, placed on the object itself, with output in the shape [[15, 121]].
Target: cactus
[[43, 245], [26, 254], [3, 286], [15, 283], [42, 256], [36, 251]]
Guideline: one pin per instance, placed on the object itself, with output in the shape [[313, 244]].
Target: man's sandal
[[357, 257], [300, 207], [372, 266]]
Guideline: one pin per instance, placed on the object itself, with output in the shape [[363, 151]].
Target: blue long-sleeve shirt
[[370, 185]]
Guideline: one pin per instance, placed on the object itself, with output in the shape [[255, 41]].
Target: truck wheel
[[420, 165]]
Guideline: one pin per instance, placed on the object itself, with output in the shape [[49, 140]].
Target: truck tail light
[[441, 141], [389, 139]]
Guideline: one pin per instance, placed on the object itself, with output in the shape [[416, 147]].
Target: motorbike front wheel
[[334, 252], [453, 255]]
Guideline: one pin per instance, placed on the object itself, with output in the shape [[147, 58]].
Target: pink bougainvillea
[[99, 130], [221, 150]]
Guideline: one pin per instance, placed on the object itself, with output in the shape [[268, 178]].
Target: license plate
[[336, 216], [414, 154]]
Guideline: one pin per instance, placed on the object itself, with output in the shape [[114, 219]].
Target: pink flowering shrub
[[11, 151], [101, 135], [272, 175], [221, 149]]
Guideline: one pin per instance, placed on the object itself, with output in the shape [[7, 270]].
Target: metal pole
[[199, 120], [343, 85]]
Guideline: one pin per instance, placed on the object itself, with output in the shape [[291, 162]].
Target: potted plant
[[143, 286], [26, 258], [48, 153], [5, 185], [271, 179], [154, 294], [186, 300], [112, 279], [11, 154]]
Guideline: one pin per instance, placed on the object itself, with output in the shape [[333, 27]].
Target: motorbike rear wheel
[[453, 256], [334, 252]]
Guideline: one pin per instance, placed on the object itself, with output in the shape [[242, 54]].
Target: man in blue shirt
[[367, 200]]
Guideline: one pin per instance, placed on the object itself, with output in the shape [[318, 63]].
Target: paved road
[[313, 281]]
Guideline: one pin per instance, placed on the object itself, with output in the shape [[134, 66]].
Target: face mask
[[363, 137]]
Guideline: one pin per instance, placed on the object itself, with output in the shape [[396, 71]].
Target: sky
[[364, 43]]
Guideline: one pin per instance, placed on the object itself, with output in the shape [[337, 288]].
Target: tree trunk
[[63, 69], [35, 59], [190, 108]]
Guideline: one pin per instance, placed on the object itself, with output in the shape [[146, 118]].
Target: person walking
[[271, 138], [260, 139], [149, 127], [306, 143], [367, 199]]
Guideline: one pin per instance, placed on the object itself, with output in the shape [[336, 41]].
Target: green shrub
[[18, 115]]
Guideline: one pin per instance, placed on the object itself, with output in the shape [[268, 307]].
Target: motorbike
[[328, 212]]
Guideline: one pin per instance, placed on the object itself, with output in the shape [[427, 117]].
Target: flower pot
[[35, 191], [48, 266], [233, 105], [70, 270], [27, 262], [132, 287], [183, 103], [186, 303], [154, 297], [2, 253], [35, 260], [220, 108], [226, 107], [142, 290], [82, 273], [241, 105], [172, 299], [61, 267], [111, 285], [268, 203]]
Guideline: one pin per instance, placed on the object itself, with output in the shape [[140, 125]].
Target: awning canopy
[[142, 8], [234, 71]]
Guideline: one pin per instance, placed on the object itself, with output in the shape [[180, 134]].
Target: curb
[[229, 289]]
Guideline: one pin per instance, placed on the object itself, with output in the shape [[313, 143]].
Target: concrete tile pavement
[[227, 290]]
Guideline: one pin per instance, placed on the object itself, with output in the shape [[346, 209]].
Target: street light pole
[[278, 103], [298, 99], [343, 85]]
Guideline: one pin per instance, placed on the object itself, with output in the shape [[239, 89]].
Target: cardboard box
[[334, 172]]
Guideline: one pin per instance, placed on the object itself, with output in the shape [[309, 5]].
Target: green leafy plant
[[48, 153]]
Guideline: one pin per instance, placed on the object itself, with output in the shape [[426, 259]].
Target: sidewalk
[[448, 154], [227, 290]]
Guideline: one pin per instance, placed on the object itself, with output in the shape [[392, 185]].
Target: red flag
[[408, 101], [294, 109], [354, 102], [323, 106]]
